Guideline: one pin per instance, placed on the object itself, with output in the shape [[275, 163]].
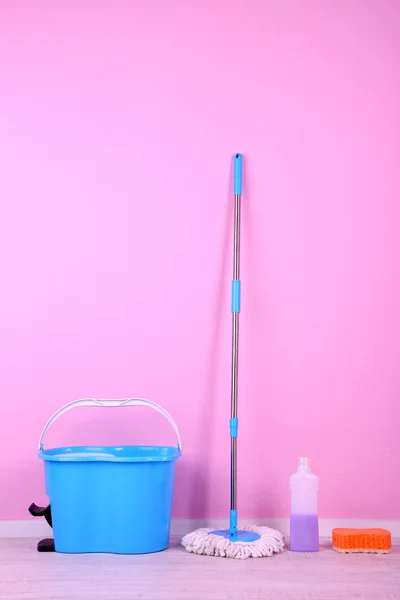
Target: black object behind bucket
[[46, 545]]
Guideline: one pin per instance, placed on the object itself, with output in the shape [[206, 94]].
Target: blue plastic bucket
[[110, 499]]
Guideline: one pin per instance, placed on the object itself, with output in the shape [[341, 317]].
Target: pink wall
[[118, 121]]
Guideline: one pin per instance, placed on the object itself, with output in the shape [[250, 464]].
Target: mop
[[251, 541]]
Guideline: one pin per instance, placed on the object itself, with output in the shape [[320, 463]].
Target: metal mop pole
[[235, 343]]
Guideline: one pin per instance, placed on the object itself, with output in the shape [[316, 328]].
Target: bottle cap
[[303, 464]]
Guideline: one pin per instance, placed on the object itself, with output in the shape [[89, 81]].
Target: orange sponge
[[377, 541]]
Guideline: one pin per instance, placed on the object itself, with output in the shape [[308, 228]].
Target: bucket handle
[[113, 403]]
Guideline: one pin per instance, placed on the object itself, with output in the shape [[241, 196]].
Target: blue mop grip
[[237, 182], [234, 424], [236, 289]]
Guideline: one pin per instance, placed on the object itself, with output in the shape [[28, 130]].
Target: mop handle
[[237, 189]]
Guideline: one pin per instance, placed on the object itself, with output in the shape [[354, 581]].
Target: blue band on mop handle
[[233, 523], [236, 289], [237, 182], [234, 424]]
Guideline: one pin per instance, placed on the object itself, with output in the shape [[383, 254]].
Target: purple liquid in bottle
[[304, 534]]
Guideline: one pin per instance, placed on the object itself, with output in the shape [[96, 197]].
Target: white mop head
[[202, 542]]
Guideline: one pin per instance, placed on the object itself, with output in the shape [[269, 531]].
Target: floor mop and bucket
[[118, 499]]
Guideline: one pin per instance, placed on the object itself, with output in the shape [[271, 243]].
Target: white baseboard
[[180, 527], [27, 528], [38, 528]]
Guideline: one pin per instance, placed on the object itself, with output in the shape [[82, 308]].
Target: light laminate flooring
[[176, 575]]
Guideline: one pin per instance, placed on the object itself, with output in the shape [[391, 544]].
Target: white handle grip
[[113, 403]]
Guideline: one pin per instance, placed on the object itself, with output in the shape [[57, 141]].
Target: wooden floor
[[177, 575]]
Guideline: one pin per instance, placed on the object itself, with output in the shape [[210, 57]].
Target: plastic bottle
[[304, 533]]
